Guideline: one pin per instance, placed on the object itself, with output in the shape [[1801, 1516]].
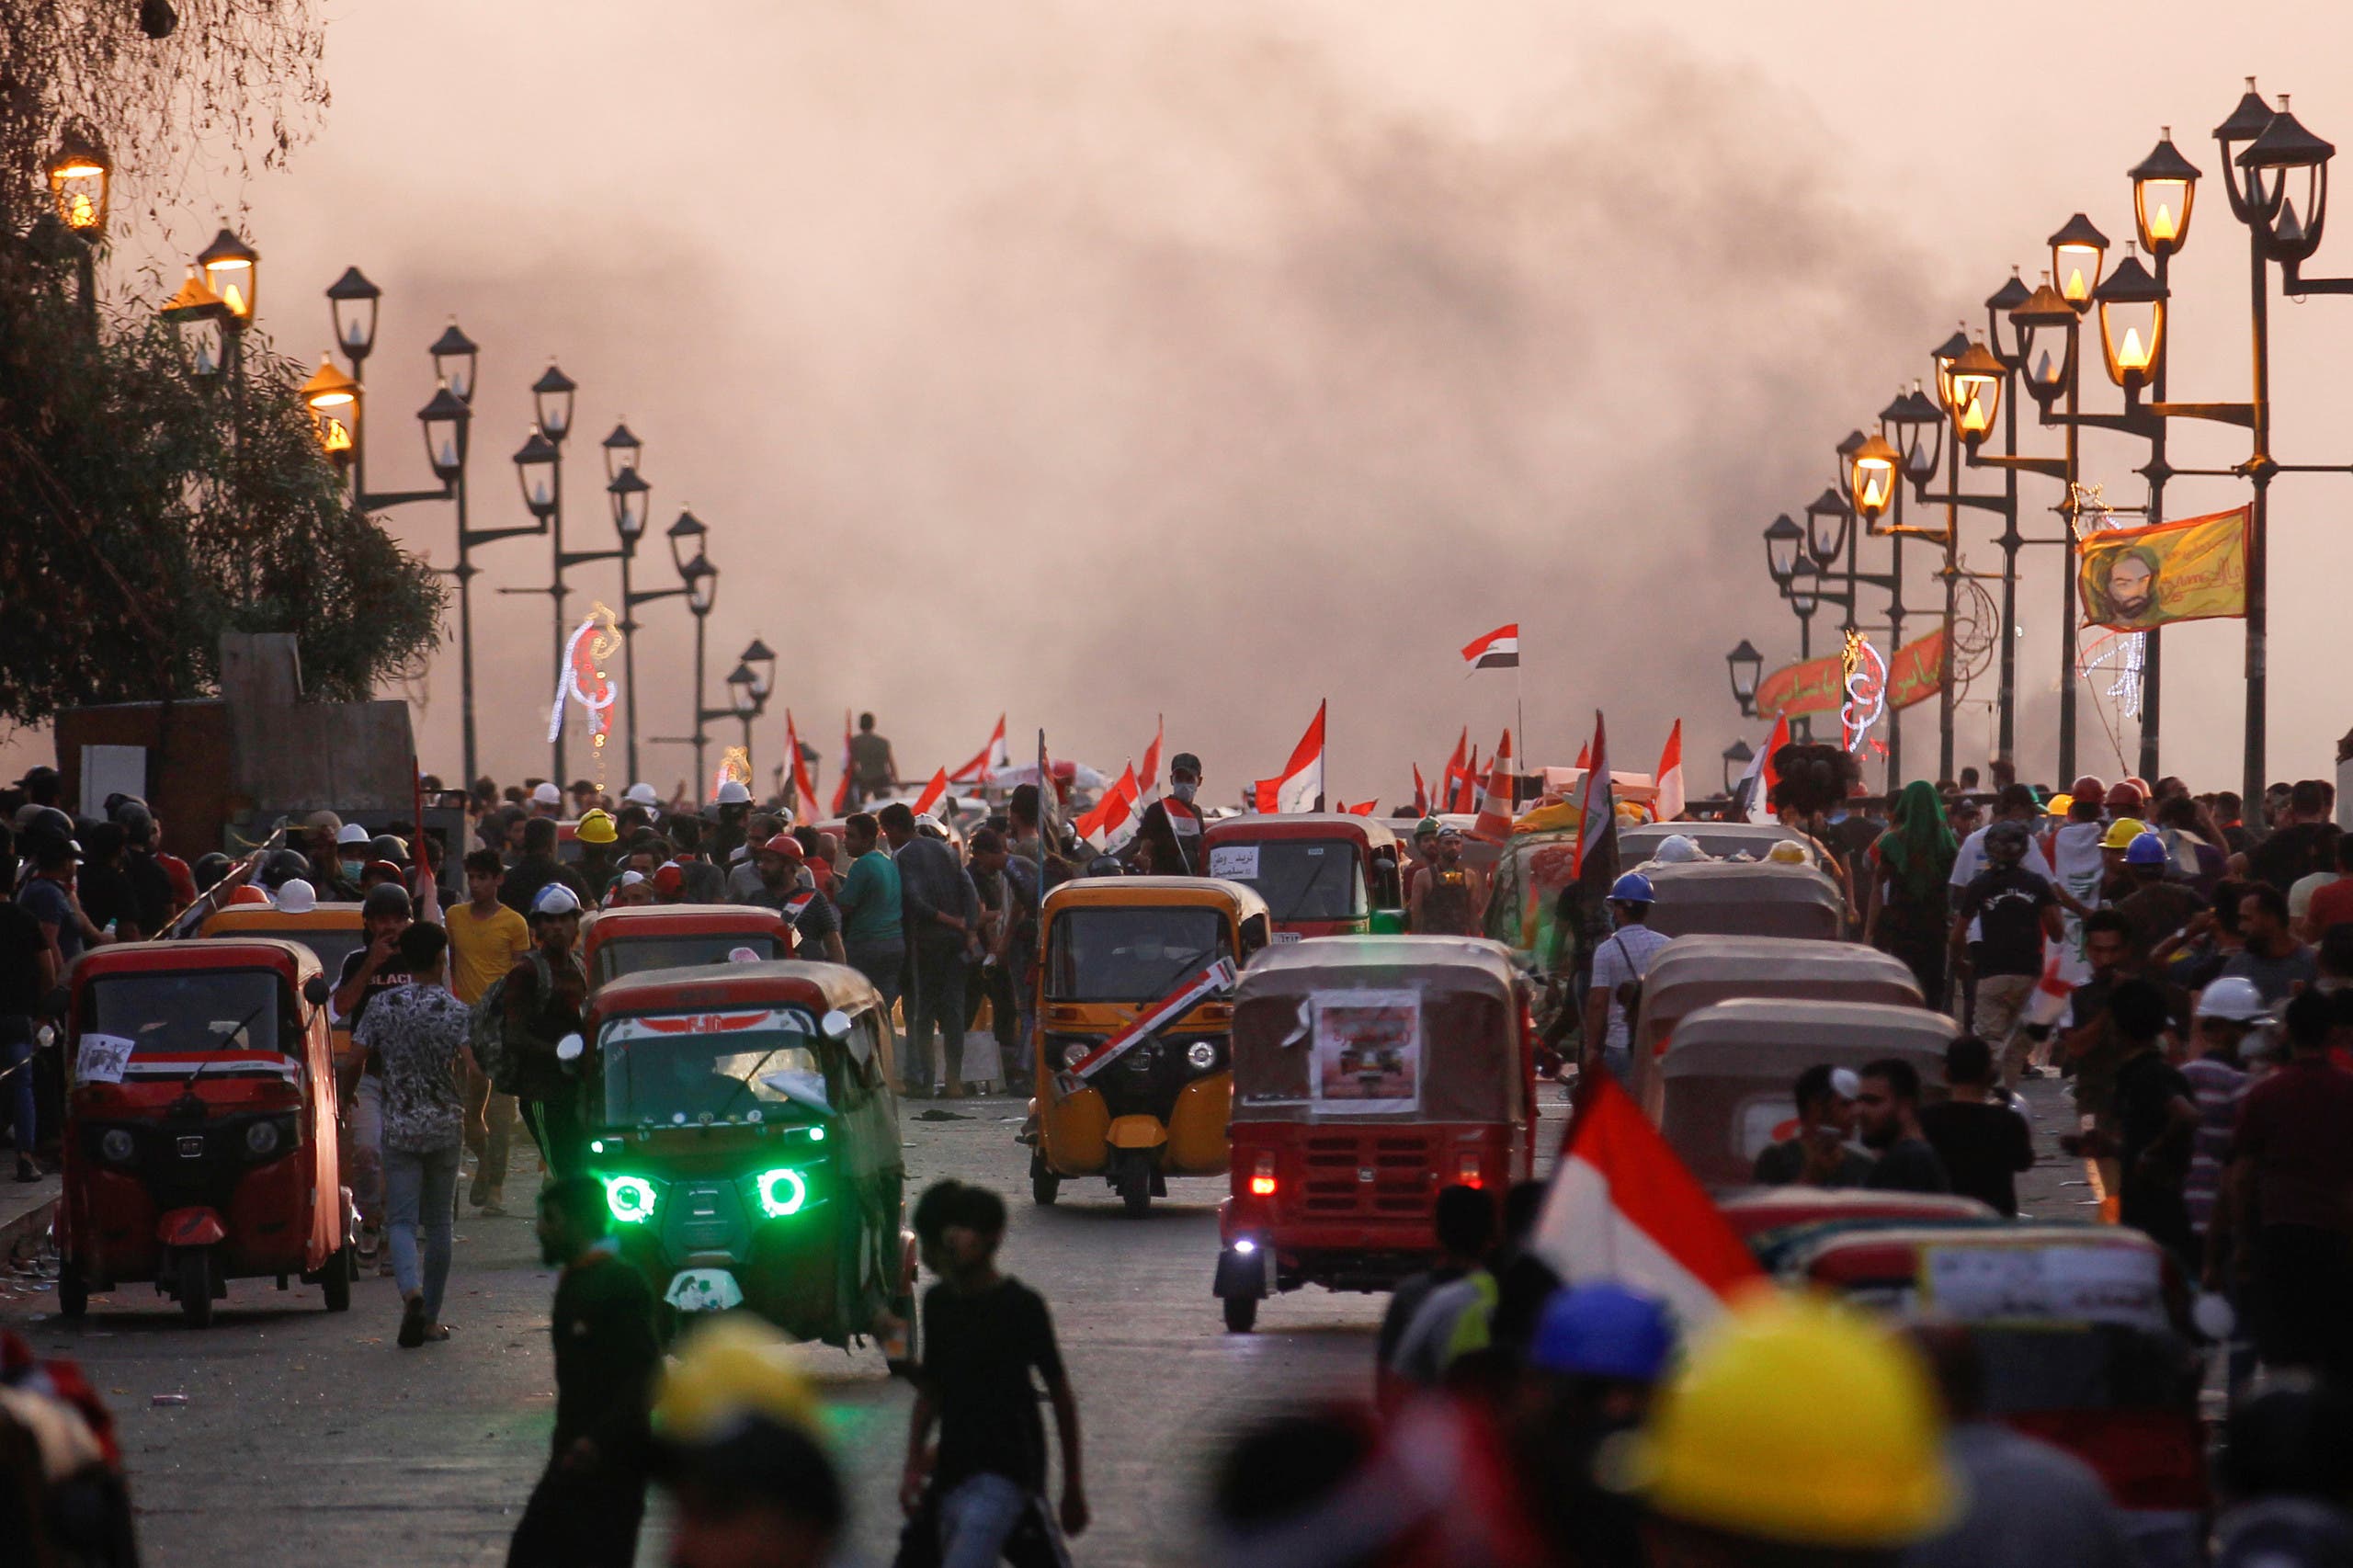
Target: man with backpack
[[522, 1019], [1618, 965]]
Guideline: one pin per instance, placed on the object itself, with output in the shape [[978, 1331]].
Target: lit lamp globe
[[332, 399], [2131, 323], [2164, 186], [1870, 477], [233, 271], [2077, 251]]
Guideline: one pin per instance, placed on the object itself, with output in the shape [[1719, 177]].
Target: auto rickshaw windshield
[[188, 1011], [658, 1073], [1130, 954], [635, 955], [333, 944], [1307, 878]]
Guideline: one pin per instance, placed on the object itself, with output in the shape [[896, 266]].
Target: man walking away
[[1982, 1143], [983, 1333], [872, 769], [543, 998], [587, 1508], [2227, 1011], [941, 909], [2291, 1164], [1888, 1110], [1618, 965], [874, 928], [2013, 911], [536, 867], [418, 1032]]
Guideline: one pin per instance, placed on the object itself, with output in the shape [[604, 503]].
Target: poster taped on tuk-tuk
[[1998, 1283], [1236, 861], [1367, 1052], [103, 1058]]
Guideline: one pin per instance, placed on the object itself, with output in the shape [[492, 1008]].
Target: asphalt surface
[[314, 1439]]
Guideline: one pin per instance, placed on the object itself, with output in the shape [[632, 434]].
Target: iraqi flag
[[1498, 650], [933, 793], [1621, 1206], [1597, 808], [841, 785], [805, 787], [1300, 786], [994, 758], [1456, 766], [1421, 793], [1148, 779], [1670, 776], [1753, 796], [1112, 813]]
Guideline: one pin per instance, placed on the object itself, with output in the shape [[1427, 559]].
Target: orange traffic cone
[[1493, 825]]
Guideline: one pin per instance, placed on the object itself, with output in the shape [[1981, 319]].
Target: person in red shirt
[[2332, 903], [2292, 1164]]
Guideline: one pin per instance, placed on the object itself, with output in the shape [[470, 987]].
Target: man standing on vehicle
[[486, 939], [1450, 898], [1618, 965], [544, 999], [941, 909], [1170, 829], [872, 769]]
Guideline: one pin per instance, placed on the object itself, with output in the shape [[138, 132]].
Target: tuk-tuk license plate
[[1282, 937], [704, 1290]]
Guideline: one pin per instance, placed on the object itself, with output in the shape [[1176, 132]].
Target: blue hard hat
[[2146, 850], [1603, 1330], [1633, 887]]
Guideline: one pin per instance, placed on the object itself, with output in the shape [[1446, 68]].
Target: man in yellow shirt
[[486, 939]]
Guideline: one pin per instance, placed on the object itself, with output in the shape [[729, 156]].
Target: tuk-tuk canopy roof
[[1239, 898], [679, 920], [318, 918], [1773, 1207], [1788, 965], [1777, 1037], [1763, 898], [796, 982], [1363, 1029], [1720, 839], [292, 961], [2007, 1273], [1463, 963], [1253, 827]]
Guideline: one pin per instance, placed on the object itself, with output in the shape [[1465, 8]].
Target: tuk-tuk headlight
[[1075, 1052], [261, 1140], [781, 1192], [1201, 1055], [117, 1145], [629, 1198]]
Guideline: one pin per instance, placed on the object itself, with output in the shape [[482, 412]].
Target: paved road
[[316, 1435]]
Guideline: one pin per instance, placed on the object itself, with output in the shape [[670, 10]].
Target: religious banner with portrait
[[2134, 579]]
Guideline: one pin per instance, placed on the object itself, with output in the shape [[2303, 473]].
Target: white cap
[[1844, 1083], [296, 896], [352, 832], [555, 899], [733, 794], [630, 879], [546, 795], [640, 795]]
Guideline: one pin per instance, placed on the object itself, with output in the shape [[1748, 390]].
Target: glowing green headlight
[[629, 1198], [782, 1192]]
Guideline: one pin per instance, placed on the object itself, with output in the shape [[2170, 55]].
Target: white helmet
[[296, 896], [546, 794], [352, 832], [1678, 848], [2233, 997], [733, 794], [640, 795], [555, 899]]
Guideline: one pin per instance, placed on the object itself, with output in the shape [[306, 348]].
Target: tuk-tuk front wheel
[[335, 1279], [72, 1290], [195, 1285], [1134, 1182], [1044, 1185], [1241, 1313]]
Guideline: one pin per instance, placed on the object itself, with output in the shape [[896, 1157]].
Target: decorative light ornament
[[1866, 674], [583, 678], [735, 768], [2125, 653]]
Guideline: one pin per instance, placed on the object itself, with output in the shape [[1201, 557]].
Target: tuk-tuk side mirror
[[1388, 884], [570, 1048], [53, 1005], [317, 990], [837, 1025]]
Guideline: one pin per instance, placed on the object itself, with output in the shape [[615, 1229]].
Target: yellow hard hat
[[1796, 1419], [734, 1368], [2122, 832], [1789, 852], [2059, 805], [596, 827]]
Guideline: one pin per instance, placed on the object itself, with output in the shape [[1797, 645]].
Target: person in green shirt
[[874, 937]]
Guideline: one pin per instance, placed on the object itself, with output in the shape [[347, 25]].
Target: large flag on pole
[[1466, 788], [1753, 796], [841, 785], [1498, 650], [1596, 811], [993, 757], [1148, 779], [1670, 776], [1621, 1206], [805, 787], [1300, 786], [933, 793], [1112, 812], [1421, 793], [1452, 780]]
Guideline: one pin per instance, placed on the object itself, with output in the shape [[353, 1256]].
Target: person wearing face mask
[[1172, 825], [339, 879]]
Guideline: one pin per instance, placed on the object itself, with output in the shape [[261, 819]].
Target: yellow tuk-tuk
[[1721, 1091], [1135, 978], [1744, 898], [1691, 973], [333, 931]]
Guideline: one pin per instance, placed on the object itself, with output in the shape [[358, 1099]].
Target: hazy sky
[[1089, 361]]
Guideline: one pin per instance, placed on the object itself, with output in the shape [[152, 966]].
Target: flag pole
[[1519, 708]]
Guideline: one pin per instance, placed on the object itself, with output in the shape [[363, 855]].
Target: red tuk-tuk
[[1369, 1071], [1763, 1215], [200, 1126], [1321, 873], [618, 942], [742, 1122], [2085, 1337]]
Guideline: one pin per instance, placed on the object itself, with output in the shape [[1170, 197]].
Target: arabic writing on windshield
[[1307, 878]]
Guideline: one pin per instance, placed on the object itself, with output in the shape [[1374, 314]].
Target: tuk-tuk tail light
[[1466, 1171], [1262, 1180], [630, 1198]]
